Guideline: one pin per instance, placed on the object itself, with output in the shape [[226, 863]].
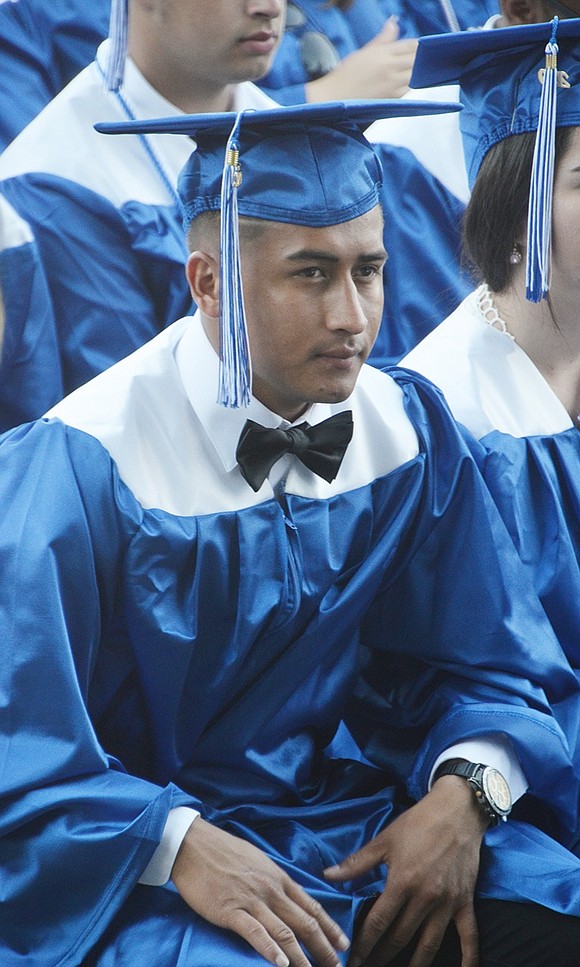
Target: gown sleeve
[[456, 644], [76, 830]]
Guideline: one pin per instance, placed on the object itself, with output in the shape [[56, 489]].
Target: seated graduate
[[508, 360], [195, 596]]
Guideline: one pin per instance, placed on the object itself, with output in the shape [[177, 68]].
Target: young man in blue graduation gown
[[187, 619]]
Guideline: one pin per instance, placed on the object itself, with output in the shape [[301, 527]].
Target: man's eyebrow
[[379, 256], [310, 254]]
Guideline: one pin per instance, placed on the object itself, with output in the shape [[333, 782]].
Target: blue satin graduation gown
[[151, 660]]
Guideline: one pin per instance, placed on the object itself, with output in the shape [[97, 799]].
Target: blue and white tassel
[[539, 254], [118, 27], [234, 349]]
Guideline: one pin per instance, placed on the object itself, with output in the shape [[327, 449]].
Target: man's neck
[[179, 91]]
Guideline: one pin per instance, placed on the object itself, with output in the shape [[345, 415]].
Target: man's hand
[[235, 886], [432, 852], [380, 69]]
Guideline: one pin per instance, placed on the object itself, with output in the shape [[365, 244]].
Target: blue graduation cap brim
[[359, 112], [295, 160], [444, 58]]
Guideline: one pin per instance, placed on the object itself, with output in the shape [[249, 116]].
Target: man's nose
[[270, 9], [344, 309]]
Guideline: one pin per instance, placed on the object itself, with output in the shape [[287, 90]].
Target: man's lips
[[340, 352], [342, 357], [261, 42]]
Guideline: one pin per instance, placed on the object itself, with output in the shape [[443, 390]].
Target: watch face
[[496, 791]]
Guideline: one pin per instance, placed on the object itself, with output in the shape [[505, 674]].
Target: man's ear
[[202, 271], [517, 12]]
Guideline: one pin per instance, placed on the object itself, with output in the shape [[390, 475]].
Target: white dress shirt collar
[[198, 367]]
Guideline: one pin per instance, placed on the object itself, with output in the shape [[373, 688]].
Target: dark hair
[[207, 224], [497, 210]]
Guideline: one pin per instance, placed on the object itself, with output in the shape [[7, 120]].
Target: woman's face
[[566, 219]]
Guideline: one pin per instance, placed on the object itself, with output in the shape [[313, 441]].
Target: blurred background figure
[[359, 48], [43, 44], [420, 17]]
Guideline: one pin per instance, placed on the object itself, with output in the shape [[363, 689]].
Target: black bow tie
[[320, 448]]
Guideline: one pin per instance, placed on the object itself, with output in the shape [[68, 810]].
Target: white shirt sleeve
[[491, 750], [158, 869]]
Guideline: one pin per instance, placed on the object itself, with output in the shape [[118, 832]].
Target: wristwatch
[[491, 789]]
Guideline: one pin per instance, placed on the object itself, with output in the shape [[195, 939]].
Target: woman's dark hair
[[497, 210]]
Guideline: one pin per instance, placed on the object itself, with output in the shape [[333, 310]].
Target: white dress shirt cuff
[[491, 750], [158, 869]]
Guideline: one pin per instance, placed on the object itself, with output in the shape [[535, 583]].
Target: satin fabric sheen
[[152, 660]]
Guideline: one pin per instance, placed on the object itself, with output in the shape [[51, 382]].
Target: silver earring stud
[[515, 255]]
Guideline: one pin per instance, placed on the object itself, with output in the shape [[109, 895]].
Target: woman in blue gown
[[509, 365]]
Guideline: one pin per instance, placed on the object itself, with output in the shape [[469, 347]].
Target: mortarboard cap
[[502, 94], [306, 165]]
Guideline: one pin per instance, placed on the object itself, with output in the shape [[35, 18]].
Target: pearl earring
[[515, 255]]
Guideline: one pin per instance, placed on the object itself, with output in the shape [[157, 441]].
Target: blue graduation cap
[[305, 165], [513, 80]]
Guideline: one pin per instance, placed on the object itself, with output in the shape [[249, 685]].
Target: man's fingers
[[428, 944], [383, 936], [377, 922], [389, 33], [466, 924], [364, 860], [316, 919], [251, 930], [280, 939], [234, 885], [387, 935]]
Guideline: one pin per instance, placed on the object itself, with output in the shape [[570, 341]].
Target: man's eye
[[311, 272]]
